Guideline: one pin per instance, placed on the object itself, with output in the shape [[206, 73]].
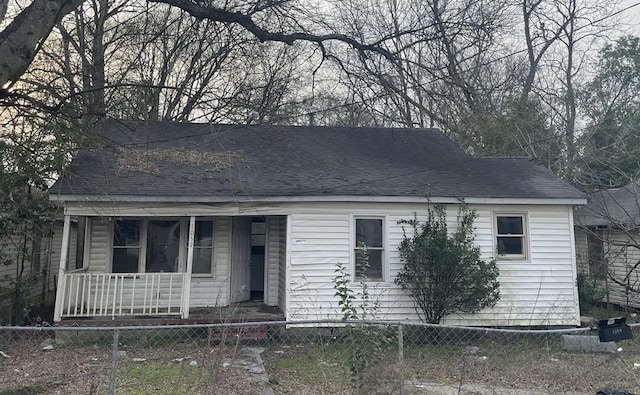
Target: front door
[[241, 259]]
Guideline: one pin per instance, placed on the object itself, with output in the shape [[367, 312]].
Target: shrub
[[443, 272], [365, 344], [589, 291]]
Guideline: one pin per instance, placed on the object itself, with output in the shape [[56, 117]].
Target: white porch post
[[186, 284], [64, 252]]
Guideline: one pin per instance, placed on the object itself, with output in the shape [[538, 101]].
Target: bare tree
[[564, 34], [21, 39], [446, 70], [277, 21]]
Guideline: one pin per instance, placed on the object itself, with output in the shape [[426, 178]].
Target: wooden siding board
[[205, 291], [273, 255], [320, 238], [620, 263], [100, 246], [283, 285], [542, 285], [214, 291]]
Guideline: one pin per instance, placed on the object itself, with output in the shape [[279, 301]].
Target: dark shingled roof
[[612, 207], [166, 159]]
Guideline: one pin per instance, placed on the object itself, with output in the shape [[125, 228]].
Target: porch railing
[[122, 294]]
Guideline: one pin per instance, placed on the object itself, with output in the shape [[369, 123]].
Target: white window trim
[[182, 250], [385, 247], [526, 238], [213, 247], [142, 246]]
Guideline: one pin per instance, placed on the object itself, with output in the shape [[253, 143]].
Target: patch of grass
[[298, 369], [34, 389], [167, 378], [600, 313], [31, 390], [294, 363]]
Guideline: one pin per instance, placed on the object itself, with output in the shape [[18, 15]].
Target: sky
[[631, 16]]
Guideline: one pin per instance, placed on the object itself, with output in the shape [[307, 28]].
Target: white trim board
[[287, 199]]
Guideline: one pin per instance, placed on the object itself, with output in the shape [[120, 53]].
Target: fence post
[[401, 357], [114, 361]]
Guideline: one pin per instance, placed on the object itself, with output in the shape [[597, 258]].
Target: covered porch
[[170, 267]]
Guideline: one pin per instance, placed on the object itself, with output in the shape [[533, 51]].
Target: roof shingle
[[169, 159]]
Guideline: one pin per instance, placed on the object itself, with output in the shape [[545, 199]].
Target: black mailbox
[[613, 330]]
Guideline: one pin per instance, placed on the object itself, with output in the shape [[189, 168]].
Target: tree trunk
[[19, 41]]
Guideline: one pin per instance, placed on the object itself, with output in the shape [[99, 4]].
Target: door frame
[[243, 295]]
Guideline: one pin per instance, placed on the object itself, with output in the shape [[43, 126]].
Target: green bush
[[590, 293], [442, 271], [365, 344]]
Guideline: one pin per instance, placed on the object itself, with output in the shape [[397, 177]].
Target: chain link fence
[[314, 357]]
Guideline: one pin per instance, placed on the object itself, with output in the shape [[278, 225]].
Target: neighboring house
[[608, 242], [180, 216], [34, 254]]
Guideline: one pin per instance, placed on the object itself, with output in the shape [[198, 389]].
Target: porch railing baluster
[[106, 299], [104, 294], [82, 299], [170, 289], [121, 294], [115, 296], [102, 300], [77, 289], [146, 292], [70, 288], [133, 294], [157, 294], [89, 284]]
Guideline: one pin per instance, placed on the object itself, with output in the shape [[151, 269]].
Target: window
[[596, 260], [159, 245], [369, 236], [511, 239], [203, 248], [163, 246], [126, 246]]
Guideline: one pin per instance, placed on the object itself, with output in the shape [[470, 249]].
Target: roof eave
[[574, 201]]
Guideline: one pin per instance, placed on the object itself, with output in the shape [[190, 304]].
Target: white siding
[[621, 263], [272, 259], [582, 250], [99, 246], [44, 275], [283, 285], [11, 250], [205, 290], [214, 291], [538, 291]]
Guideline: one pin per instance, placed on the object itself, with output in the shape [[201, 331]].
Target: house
[[185, 216], [608, 242], [29, 253]]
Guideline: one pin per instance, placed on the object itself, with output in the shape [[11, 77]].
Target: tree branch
[[20, 39], [247, 22]]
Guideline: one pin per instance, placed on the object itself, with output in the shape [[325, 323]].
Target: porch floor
[[249, 311]]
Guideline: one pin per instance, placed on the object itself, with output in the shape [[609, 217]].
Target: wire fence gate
[[314, 357]]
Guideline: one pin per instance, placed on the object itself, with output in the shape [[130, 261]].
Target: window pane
[[126, 233], [204, 233], [369, 232], [510, 245], [258, 228], [374, 271], [163, 246], [202, 260], [125, 260], [257, 240], [510, 226]]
